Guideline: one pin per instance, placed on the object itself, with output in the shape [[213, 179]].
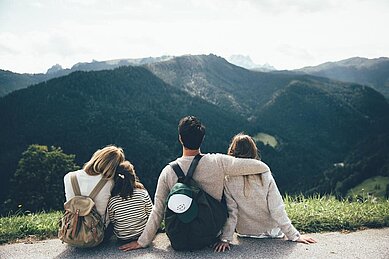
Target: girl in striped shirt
[[130, 205]]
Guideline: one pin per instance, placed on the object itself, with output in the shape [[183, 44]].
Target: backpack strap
[[177, 169], [75, 186], [180, 174], [192, 167], [97, 188]]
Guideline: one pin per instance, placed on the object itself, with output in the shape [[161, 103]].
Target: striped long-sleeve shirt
[[129, 216]]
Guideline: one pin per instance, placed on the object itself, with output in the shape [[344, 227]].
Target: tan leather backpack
[[81, 224]]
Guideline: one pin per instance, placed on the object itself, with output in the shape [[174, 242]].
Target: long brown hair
[[126, 180], [244, 146]]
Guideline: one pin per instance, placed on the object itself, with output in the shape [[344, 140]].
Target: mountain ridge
[[371, 72]]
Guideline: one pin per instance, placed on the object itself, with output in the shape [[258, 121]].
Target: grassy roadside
[[314, 214], [326, 213], [37, 225]]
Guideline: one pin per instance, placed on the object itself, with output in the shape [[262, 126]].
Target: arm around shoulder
[[241, 166]]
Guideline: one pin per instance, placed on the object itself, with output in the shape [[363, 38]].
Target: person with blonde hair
[[255, 205], [102, 165], [130, 205]]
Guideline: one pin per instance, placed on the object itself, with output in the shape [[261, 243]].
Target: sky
[[287, 34]]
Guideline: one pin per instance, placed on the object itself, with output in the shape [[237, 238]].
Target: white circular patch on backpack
[[179, 203]]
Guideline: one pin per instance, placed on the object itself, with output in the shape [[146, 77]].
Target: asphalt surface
[[370, 243]]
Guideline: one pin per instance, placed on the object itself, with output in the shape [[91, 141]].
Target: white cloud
[[286, 34]]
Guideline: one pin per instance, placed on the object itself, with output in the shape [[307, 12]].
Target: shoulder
[[213, 156], [113, 199], [68, 175], [267, 176], [166, 171], [141, 192], [269, 181]]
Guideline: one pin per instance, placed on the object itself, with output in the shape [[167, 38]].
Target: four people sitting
[[245, 180]]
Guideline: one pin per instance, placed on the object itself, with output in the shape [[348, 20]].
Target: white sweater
[[257, 213], [87, 183]]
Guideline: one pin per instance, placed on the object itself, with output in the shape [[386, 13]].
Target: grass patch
[[39, 225], [314, 214], [327, 213]]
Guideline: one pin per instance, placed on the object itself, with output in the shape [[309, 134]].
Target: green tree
[[38, 181]]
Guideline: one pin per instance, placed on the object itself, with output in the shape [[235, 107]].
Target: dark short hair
[[191, 132]]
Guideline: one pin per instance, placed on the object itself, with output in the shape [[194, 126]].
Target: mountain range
[[10, 81], [371, 72], [318, 122]]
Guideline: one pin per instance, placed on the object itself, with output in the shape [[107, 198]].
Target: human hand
[[130, 246], [221, 246], [306, 240]]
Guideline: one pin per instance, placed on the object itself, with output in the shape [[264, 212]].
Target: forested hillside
[[317, 123], [84, 111], [10, 81]]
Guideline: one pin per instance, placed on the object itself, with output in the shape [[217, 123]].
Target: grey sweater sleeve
[[230, 225], [277, 210], [157, 212], [148, 204]]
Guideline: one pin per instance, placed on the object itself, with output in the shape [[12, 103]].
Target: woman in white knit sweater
[[255, 205]]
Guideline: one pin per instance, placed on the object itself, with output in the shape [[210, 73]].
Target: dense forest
[[318, 123]]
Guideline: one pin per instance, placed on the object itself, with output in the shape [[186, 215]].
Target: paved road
[[371, 243]]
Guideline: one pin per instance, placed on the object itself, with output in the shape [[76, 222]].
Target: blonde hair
[[244, 146], [105, 161]]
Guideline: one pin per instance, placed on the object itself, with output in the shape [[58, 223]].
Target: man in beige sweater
[[210, 173]]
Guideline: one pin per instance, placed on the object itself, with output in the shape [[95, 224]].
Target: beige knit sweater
[[209, 175], [257, 213]]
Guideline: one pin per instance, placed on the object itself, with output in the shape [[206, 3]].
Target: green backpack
[[81, 224], [193, 218]]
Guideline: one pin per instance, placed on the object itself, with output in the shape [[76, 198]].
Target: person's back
[[209, 175], [261, 211], [102, 165], [87, 183], [255, 205]]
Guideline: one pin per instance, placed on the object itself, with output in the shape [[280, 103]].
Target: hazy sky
[[36, 34]]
